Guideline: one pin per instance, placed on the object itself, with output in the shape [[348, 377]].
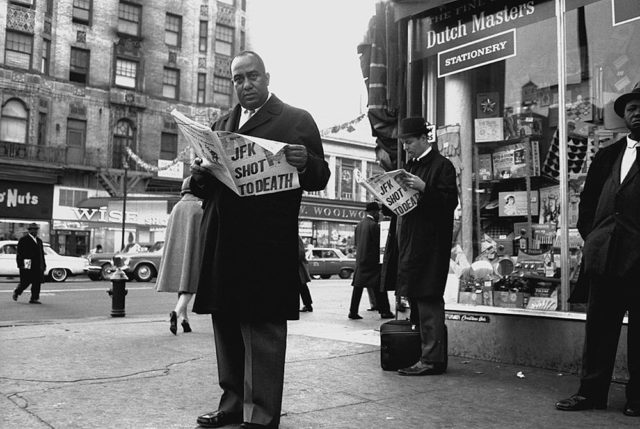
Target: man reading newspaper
[[249, 277]]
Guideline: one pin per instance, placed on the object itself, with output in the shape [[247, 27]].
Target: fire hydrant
[[117, 292]]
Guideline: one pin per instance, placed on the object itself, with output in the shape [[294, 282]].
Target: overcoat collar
[[273, 107]]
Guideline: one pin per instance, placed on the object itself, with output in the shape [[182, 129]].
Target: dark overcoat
[[425, 233], [611, 239], [367, 241], [250, 260], [29, 249]]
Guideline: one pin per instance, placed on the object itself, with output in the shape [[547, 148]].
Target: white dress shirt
[[245, 114], [628, 158]]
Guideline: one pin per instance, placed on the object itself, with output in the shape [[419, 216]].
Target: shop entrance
[[71, 243]]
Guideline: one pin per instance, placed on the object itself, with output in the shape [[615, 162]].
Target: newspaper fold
[[247, 165], [388, 188]]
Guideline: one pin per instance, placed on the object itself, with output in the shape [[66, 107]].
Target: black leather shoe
[[173, 323], [354, 316], [14, 296], [216, 419], [387, 315], [372, 309], [185, 326], [34, 301], [306, 309], [580, 403], [421, 369], [247, 425], [631, 409]]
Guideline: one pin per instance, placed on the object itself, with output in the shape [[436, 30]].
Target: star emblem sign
[[488, 105]]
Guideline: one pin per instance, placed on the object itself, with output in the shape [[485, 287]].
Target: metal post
[[125, 164]]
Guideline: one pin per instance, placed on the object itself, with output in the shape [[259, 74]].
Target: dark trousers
[[382, 300], [305, 295], [250, 358], [35, 289], [609, 299], [428, 314]]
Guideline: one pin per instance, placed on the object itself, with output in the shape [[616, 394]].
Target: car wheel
[[325, 276], [345, 273], [106, 271], [144, 272], [95, 276], [315, 276], [58, 274]]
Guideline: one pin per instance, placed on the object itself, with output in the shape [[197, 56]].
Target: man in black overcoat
[[249, 279], [367, 273], [609, 223], [31, 262], [424, 243]]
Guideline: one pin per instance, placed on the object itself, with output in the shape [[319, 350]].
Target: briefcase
[[400, 345]]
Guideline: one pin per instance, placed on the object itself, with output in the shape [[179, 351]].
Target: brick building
[[85, 91]]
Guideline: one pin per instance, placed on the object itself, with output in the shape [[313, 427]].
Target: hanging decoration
[[148, 167], [349, 126]]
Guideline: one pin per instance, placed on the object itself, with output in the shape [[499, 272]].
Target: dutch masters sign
[[478, 53]]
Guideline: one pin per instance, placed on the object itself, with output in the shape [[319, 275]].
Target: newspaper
[[388, 188], [247, 165]]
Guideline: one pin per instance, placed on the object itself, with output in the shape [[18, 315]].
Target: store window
[[79, 65], [170, 83], [126, 73], [14, 121], [18, 49], [81, 13], [129, 18], [172, 30]]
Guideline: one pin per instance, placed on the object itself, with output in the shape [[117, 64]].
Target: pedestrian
[[609, 223], [303, 274], [182, 255], [367, 273], [251, 298], [97, 249], [424, 243], [31, 263]]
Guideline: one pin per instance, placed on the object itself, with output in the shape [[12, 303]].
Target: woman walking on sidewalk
[[182, 255]]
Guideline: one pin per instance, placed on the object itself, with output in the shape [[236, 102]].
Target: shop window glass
[[13, 122]]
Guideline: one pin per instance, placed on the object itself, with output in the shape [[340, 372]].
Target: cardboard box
[[545, 297], [485, 167], [470, 298], [514, 203], [510, 299], [487, 295]]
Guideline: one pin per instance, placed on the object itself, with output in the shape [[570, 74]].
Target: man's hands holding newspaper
[[412, 181], [296, 155]]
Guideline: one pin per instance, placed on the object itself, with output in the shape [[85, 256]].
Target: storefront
[[329, 223], [521, 93], [22, 203]]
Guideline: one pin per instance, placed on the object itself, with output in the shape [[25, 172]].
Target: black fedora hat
[[372, 207], [621, 102], [33, 225], [412, 126]]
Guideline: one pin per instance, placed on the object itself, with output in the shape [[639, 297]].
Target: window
[[168, 146], [346, 187], [13, 122], [202, 87], [224, 40], [230, 2], [76, 132], [18, 50], [79, 65], [129, 18], [25, 3], [204, 31], [123, 137], [46, 53], [71, 197], [222, 91], [170, 86], [81, 12], [126, 73], [48, 7], [42, 129], [172, 29]]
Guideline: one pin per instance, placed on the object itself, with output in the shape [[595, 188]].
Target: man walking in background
[[251, 299], [367, 273], [31, 262]]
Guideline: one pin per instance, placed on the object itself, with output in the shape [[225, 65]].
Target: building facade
[[86, 88]]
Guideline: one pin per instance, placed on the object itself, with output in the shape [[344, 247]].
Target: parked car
[[59, 267], [101, 264], [141, 266], [325, 262]]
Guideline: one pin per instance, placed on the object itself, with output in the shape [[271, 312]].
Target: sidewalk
[[132, 373]]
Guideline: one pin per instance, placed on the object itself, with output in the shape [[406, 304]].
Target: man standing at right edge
[[609, 223], [424, 243]]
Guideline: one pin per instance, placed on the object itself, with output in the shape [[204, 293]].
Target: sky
[[309, 49]]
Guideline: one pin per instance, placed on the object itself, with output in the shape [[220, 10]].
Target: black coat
[[367, 241], [29, 249], [250, 261], [425, 233]]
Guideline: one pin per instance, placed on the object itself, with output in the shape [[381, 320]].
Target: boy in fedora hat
[[609, 223], [424, 243], [31, 263]]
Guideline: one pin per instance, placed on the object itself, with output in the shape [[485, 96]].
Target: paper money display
[[247, 165], [388, 189]]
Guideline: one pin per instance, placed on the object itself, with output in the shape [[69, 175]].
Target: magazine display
[[247, 165], [388, 188]]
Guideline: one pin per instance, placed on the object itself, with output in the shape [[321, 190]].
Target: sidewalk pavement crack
[[22, 403]]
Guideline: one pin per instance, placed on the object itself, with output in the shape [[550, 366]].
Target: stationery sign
[[623, 11], [478, 53]]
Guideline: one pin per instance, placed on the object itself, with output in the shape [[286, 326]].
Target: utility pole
[[125, 165]]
